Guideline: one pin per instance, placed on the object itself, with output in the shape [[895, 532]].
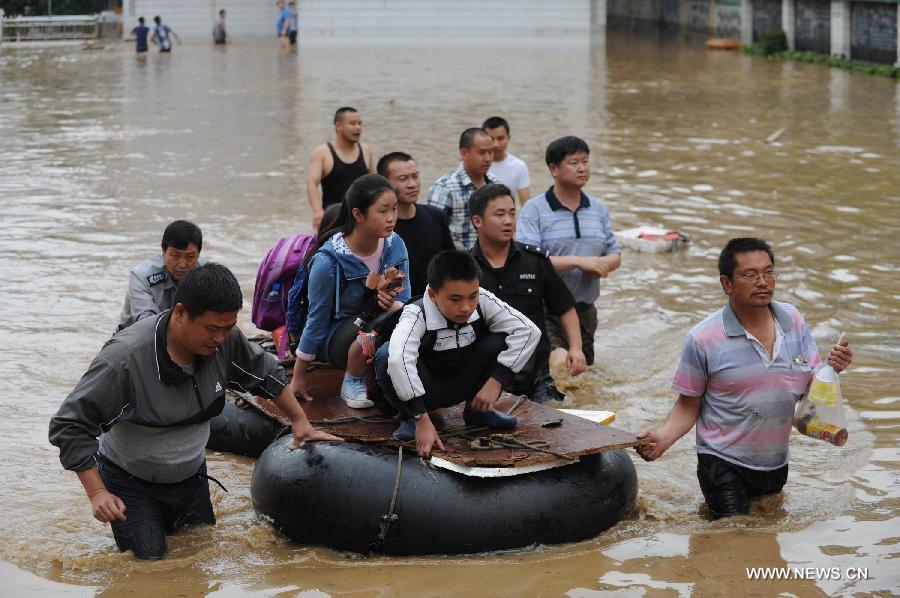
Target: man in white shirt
[[507, 167]]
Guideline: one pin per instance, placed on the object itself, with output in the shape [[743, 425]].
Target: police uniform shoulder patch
[[536, 250], [156, 278]]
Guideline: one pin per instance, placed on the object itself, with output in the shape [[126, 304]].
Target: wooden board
[[556, 431]]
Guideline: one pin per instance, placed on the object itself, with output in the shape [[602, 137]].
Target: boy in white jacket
[[457, 343]]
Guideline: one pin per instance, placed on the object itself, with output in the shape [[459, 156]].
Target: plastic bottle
[[275, 293]]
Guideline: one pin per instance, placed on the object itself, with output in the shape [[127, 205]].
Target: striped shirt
[[748, 397], [451, 193], [546, 223]]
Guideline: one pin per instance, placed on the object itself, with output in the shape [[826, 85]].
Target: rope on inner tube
[[390, 517]]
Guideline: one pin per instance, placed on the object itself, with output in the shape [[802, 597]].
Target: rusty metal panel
[[552, 433]]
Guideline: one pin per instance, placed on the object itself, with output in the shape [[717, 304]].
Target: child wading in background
[[361, 241]]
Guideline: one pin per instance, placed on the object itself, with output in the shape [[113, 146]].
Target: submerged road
[[100, 149]]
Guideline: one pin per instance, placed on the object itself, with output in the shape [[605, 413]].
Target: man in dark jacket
[[135, 427], [523, 276]]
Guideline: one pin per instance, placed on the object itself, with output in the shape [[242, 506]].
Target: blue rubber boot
[[406, 431], [492, 419]]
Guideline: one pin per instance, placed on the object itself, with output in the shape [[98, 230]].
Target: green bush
[[869, 68], [772, 42]]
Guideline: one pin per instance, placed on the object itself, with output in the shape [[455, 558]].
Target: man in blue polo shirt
[[576, 231]]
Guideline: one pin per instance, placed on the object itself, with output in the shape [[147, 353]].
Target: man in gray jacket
[[152, 285], [135, 427]]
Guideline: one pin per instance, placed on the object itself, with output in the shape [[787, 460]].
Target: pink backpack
[[276, 276]]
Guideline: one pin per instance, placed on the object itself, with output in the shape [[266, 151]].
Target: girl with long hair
[[360, 241]]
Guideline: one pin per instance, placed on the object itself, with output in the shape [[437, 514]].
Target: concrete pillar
[[788, 9], [840, 28], [746, 22], [712, 19], [1, 26], [896, 64], [598, 14]]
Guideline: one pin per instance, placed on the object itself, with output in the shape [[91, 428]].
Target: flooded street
[[99, 150]]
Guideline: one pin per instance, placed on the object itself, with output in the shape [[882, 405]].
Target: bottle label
[[816, 428], [822, 393]]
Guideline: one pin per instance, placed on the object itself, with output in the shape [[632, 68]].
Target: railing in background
[[18, 29]]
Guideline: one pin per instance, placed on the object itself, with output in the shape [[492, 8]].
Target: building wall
[[766, 16], [728, 18], [381, 22], [439, 22], [812, 32], [873, 31], [697, 14], [646, 9], [670, 11], [869, 34], [193, 19]]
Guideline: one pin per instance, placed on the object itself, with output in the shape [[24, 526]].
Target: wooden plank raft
[[551, 434]]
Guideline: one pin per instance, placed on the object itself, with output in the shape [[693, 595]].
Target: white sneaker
[[354, 393]]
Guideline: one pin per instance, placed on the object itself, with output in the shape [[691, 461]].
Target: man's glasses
[[754, 278]]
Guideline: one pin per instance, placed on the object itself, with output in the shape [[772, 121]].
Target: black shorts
[[587, 320], [292, 35], [153, 511], [728, 488]]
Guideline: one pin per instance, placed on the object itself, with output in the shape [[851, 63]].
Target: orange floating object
[[723, 43]]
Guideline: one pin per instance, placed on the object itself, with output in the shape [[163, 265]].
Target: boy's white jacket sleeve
[[403, 354], [522, 336]]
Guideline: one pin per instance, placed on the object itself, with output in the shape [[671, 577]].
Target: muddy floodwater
[[100, 149]]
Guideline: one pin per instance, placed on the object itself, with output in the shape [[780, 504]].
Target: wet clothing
[[587, 322], [728, 488], [748, 397], [161, 33], [546, 223], [424, 336], [143, 406], [151, 290], [513, 172], [154, 511], [140, 34], [342, 175], [283, 17], [292, 26], [451, 194], [338, 278], [219, 35], [425, 234], [529, 283], [443, 388]]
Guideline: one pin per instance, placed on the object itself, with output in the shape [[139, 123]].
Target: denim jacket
[[337, 286]]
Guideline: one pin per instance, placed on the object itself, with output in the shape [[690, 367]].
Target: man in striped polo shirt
[[741, 373], [575, 229]]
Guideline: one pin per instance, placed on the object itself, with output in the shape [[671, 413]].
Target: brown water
[[100, 149]]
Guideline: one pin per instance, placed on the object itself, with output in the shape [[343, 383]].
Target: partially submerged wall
[[873, 31], [813, 26], [863, 30]]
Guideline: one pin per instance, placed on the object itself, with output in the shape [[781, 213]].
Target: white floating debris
[[843, 275]]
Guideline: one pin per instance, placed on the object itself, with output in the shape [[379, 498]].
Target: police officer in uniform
[[152, 285], [523, 276]]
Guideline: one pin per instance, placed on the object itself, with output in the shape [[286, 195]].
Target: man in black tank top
[[335, 165]]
